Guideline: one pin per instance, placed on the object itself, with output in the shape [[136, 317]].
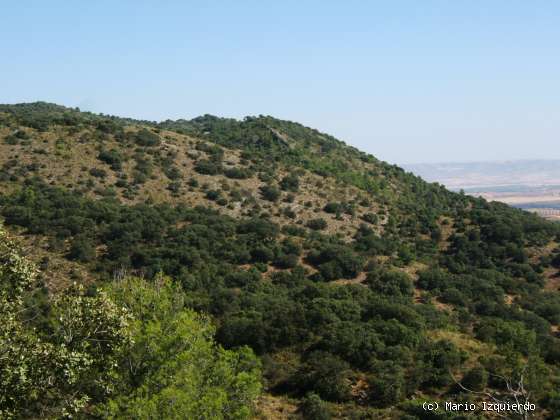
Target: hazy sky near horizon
[[408, 81]]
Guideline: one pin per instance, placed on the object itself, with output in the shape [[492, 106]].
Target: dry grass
[[472, 346], [67, 163], [271, 407]]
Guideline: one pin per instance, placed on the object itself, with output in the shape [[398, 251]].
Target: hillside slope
[[364, 289]]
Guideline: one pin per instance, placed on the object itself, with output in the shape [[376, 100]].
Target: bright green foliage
[[174, 370], [57, 372], [17, 274]]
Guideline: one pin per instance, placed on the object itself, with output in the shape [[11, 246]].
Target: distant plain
[[532, 185]]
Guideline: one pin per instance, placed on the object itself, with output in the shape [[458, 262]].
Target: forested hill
[[363, 290]]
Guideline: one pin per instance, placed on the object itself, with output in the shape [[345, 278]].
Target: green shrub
[[213, 195], [333, 208], [270, 193], [208, 167], [146, 138], [173, 173], [334, 262], [237, 173], [313, 408], [317, 224], [290, 183], [11, 140], [370, 218], [326, 375], [111, 157], [286, 261], [475, 379], [98, 172], [82, 249]]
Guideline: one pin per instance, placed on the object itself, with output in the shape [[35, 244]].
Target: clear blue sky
[[408, 81]]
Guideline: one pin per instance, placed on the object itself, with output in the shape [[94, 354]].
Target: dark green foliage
[[270, 192], [509, 334], [11, 140], [376, 330], [213, 195], [174, 187], [438, 359], [258, 229], [317, 224], [357, 343], [237, 173], [82, 249], [336, 262], [294, 230], [146, 138], [325, 375], [208, 167], [242, 278], [552, 403], [137, 352], [475, 379], [556, 260], [388, 384], [98, 173], [313, 408], [333, 208], [172, 172], [286, 261], [339, 208], [111, 157], [390, 283], [290, 183], [142, 170], [214, 152]]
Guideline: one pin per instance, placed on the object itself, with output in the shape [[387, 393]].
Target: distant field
[[552, 214], [544, 205], [549, 210]]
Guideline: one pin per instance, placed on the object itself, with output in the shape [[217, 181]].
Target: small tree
[[317, 224], [312, 407], [270, 192], [290, 183]]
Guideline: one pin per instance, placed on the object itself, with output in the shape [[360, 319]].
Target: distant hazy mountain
[[490, 174], [529, 184]]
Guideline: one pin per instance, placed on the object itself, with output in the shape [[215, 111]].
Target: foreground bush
[[174, 369], [132, 352]]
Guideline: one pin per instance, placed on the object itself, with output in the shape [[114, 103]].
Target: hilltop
[[363, 289]]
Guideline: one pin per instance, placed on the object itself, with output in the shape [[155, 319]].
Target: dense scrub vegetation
[[428, 288]]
